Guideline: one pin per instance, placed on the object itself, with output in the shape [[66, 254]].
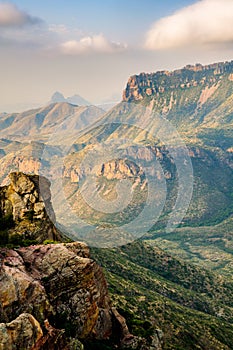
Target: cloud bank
[[50, 39], [11, 16], [206, 22], [88, 44]]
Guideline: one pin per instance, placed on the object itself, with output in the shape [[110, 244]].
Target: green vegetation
[[207, 246], [12, 240], [180, 282], [6, 222], [98, 345], [192, 306], [202, 112], [50, 241]]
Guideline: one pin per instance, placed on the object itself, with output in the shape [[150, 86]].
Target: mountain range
[[78, 100], [41, 123], [178, 281], [206, 128]]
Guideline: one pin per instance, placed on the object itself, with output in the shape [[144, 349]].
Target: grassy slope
[[191, 305], [207, 246]]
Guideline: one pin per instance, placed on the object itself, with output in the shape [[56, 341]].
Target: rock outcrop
[[25, 206], [54, 290], [195, 96], [154, 85], [22, 333]]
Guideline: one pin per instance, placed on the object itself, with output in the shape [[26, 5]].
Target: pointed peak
[[57, 97], [76, 99]]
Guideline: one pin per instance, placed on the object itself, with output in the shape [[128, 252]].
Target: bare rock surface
[[58, 282], [22, 333], [27, 201], [55, 290]]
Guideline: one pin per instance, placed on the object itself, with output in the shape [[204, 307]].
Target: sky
[[91, 47]]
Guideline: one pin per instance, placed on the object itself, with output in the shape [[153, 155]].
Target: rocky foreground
[[45, 287], [52, 296]]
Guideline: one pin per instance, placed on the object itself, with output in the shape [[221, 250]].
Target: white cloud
[[95, 43], [48, 39], [202, 23], [11, 16]]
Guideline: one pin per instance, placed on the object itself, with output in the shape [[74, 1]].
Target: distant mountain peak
[[57, 97], [76, 99]]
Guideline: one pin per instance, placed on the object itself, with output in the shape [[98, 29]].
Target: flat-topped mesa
[[26, 209], [155, 84]]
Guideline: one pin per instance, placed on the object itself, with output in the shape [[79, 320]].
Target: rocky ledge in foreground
[[51, 296]]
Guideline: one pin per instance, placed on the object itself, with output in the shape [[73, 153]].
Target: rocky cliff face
[[47, 291], [187, 95], [26, 210], [149, 84]]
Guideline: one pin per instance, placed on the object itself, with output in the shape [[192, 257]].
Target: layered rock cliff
[[186, 96], [149, 84]]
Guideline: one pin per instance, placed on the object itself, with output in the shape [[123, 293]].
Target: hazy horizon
[[91, 49]]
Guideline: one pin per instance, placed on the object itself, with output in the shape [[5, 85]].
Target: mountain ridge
[[75, 99], [186, 96], [46, 119]]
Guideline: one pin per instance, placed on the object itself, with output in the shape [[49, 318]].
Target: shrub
[[6, 222]]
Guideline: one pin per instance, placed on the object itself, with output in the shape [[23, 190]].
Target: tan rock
[[39, 208], [22, 333], [28, 199], [206, 93], [59, 280], [21, 183]]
